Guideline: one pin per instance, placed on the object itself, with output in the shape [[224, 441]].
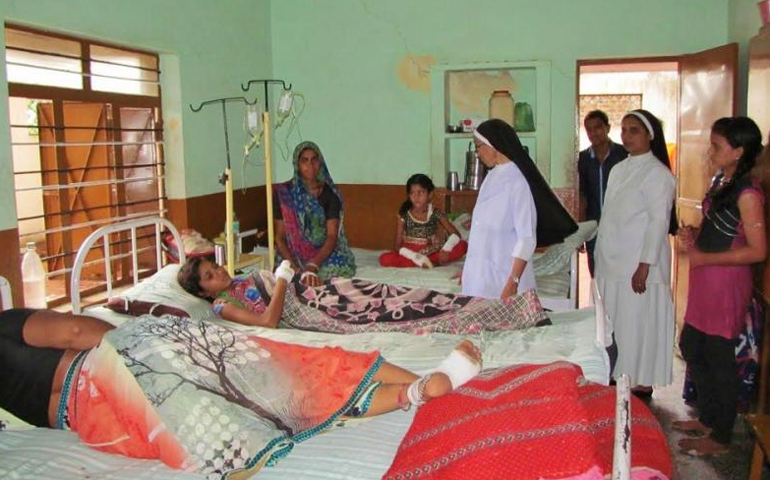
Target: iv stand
[[268, 162], [226, 178]]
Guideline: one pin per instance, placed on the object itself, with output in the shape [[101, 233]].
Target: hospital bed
[[556, 270], [360, 451]]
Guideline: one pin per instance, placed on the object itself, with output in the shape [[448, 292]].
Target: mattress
[[361, 450]]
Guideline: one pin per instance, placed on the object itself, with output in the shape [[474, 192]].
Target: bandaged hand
[[418, 258], [450, 243], [285, 271]]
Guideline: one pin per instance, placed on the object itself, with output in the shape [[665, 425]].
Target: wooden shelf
[[534, 78]]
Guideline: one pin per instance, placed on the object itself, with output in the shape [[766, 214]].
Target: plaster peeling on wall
[[470, 90], [414, 72]]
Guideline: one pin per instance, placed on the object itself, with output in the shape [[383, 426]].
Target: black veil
[[553, 221]]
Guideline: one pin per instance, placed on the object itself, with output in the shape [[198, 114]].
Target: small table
[[246, 260], [455, 201]]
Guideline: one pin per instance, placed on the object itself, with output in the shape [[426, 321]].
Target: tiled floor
[[668, 406]]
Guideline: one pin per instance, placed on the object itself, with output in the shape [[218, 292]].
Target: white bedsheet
[[357, 452]]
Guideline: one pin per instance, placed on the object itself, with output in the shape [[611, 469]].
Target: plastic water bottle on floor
[[33, 276]]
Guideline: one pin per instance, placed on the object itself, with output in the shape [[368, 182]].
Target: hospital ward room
[[361, 240]]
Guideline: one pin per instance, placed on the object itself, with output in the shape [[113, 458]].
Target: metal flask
[[474, 169]]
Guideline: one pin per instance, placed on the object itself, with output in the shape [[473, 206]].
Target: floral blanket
[[344, 305]]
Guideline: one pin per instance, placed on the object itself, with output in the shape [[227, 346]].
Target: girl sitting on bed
[[343, 305], [417, 241]]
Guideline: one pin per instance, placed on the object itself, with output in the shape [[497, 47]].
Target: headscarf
[[654, 128], [305, 220], [553, 221]]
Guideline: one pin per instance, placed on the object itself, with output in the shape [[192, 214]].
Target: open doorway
[[615, 87], [688, 93]]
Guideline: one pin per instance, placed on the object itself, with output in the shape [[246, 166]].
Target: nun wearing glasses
[[516, 211], [633, 255]]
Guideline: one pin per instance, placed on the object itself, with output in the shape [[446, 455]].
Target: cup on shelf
[[453, 181]]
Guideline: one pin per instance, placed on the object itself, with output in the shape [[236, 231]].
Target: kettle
[[474, 169]]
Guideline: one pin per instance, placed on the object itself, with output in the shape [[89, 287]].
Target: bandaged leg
[[418, 258], [459, 367]]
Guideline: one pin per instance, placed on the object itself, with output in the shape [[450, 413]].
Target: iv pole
[[226, 178], [268, 162]]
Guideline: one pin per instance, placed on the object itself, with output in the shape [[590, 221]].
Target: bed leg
[[621, 456]]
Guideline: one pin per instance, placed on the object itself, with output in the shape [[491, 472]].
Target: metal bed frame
[[104, 233]]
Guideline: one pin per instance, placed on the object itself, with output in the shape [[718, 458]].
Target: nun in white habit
[[515, 212], [633, 255]]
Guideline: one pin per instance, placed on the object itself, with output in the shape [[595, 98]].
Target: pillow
[[9, 421], [463, 225], [163, 289], [557, 257]]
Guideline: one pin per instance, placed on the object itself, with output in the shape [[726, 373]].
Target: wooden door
[[708, 90], [758, 97], [138, 159], [81, 158]]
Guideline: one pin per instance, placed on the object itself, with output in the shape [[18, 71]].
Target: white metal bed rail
[[621, 453], [104, 233]]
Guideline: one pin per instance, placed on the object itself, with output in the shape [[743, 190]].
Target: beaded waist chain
[[62, 415]]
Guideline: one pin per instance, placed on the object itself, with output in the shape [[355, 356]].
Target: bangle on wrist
[[514, 279], [311, 265]]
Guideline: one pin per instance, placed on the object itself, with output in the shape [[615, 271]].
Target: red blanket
[[526, 422]]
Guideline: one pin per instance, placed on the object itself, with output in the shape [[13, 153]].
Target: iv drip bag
[[284, 103], [252, 119]]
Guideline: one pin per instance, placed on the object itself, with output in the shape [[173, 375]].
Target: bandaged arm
[[450, 243]]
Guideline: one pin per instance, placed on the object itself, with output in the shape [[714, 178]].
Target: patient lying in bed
[[343, 305]]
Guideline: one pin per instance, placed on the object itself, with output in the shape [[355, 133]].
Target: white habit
[[634, 229], [503, 227]]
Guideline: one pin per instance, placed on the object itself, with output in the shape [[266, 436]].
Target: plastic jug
[[501, 106], [33, 277]]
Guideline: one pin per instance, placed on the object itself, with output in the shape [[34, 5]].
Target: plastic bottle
[[33, 276]]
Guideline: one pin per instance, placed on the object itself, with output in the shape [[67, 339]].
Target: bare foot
[[691, 427], [700, 447]]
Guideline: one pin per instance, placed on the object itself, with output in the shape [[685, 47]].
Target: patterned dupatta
[[305, 221]]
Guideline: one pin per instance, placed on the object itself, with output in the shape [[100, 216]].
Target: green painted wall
[[344, 55], [744, 22], [207, 49]]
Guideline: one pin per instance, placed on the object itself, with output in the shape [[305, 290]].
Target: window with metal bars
[[87, 145]]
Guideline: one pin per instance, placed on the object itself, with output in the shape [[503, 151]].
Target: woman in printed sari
[[308, 220], [196, 395]]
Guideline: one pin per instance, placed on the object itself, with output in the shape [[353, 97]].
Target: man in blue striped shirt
[[594, 165]]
